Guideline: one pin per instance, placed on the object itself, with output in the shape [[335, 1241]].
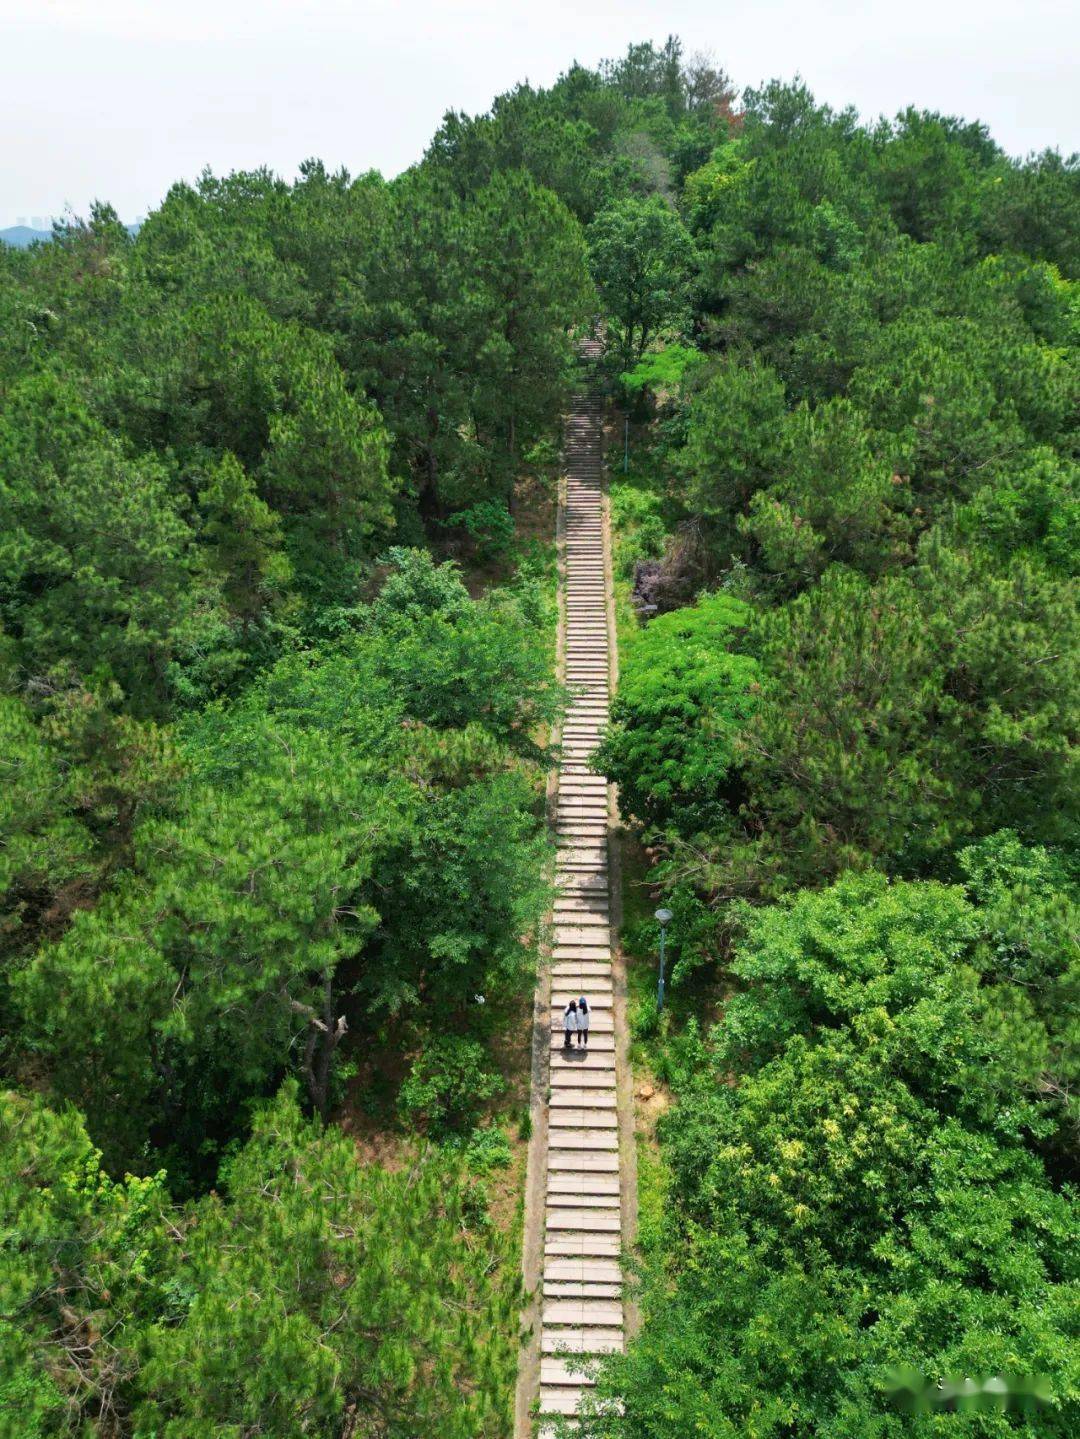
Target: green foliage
[[309, 1288], [335, 1301], [489, 524], [870, 1161], [448, 1084], [642, 262], [639, 525], [354, 839], [732, 438], [683, 698], [487, 1149], [662, 370], [865, 1196], [84, 1267]]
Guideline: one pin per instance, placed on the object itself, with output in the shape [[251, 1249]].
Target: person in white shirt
[[583, 1013], [570, 1023]]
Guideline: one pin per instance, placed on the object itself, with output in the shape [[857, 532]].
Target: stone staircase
[[581, 1304]]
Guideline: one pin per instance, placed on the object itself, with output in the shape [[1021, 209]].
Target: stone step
[[568, 1289], [581, 1341], [585, 1220], [583, 1313], [593, 934], [582, 1271], [582, 1120], [602, 1022], [592, 1074], [554, 1400], [579, 1075], [557, 1371], [598, 1202], [583, 930], [584, 1246], [592, 986], [598, 1054], [582, 884], [578, 1161], [582, 1189], [593, 1141]]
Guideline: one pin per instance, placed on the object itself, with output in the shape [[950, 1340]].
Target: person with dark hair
[[570, 1023], [583, 1022]]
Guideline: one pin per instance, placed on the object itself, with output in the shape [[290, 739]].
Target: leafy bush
[[487, 1149], [638, 523], [682, 701], [489, 524], [448, 1085]]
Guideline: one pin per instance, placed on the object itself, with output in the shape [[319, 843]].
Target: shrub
[[448, 1085]]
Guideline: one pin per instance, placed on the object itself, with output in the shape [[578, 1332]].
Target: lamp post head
[[664, 916]]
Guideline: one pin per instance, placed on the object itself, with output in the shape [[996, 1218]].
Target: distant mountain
[[21, 236]]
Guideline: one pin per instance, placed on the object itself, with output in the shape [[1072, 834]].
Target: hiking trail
[[577, 1183]]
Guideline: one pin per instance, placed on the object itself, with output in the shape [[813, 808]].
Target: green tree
[[684, 698], [84, 1270], [842, 1152], [642, 261], [319, 1294]]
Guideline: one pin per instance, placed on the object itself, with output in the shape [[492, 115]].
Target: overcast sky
[[117, 98]]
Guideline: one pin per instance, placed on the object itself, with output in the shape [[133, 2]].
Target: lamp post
[[663, 917]]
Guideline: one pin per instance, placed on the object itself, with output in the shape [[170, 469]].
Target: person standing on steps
[[583, 1022], [570, 1023]]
